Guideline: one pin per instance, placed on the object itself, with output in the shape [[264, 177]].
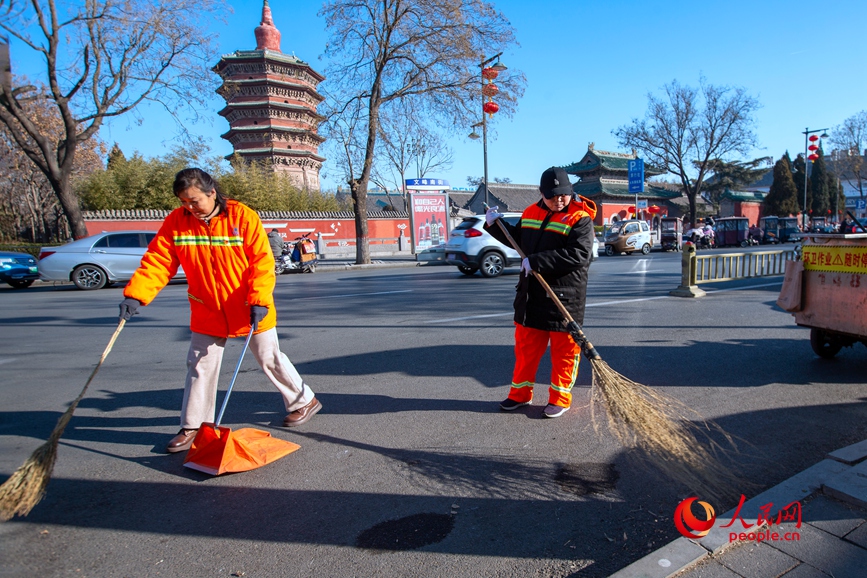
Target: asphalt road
[[410, 469]]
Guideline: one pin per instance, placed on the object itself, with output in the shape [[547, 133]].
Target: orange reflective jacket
[[228, 263]]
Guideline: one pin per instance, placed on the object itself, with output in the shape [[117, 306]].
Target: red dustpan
[[218, 450]]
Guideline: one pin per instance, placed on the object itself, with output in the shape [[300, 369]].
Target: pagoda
[[271, 102], [604, 180]]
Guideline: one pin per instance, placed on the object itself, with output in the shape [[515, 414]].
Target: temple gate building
[[604, 180], [271, 102]]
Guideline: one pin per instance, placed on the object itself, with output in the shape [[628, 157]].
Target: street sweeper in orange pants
[[556, 234]]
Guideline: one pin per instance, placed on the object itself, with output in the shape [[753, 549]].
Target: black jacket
[[558, 246]]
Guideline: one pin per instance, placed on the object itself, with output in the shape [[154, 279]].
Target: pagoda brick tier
[[604, 180], [271, 103]]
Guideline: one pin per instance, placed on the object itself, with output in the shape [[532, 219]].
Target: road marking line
[[603, 303], [354, 295]]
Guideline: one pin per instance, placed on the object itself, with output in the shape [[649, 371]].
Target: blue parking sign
[[635, 171]]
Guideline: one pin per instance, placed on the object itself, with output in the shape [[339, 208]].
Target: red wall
[[339, 229]]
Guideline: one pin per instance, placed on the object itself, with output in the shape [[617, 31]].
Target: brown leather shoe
[[303, 415], [182, 441]]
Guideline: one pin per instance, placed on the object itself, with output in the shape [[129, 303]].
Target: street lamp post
[[498, 67], [807, 132]]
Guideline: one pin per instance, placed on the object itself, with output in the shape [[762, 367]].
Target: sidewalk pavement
[[832, 535]]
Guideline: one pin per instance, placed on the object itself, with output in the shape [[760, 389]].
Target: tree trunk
[[362, 236]]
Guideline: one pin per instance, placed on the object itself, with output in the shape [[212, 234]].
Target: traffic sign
[[635, 173], [426, 184]]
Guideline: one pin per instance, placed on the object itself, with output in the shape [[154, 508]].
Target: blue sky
[[590, 66]]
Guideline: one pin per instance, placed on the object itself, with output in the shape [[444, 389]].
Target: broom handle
[[569, 322], [64, 419], [234, 377]]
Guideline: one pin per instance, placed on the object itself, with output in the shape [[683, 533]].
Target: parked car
[[627, 237], [18, 269], [472, 249], [97, 261]]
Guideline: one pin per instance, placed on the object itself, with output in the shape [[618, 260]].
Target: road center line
[[353, 295], [603, 303]]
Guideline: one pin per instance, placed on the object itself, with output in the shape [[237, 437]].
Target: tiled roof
[[607, 161], [505, 196], [610, 188], [154, 214], [743, 196]]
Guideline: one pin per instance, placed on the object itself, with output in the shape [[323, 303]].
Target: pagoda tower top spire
[[267, 35]]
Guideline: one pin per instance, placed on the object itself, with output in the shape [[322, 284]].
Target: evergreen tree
[[115, 156], [820, 203], [782, 199], [800, 176]]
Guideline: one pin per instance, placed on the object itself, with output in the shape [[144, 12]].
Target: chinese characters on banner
[[429, 220], [835, 259]]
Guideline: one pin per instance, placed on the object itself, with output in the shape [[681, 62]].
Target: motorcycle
[[298, 256]]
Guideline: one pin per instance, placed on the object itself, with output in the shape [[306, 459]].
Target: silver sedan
[[97, 261]]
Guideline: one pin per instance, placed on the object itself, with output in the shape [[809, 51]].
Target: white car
[[97, 261], [472, 249]]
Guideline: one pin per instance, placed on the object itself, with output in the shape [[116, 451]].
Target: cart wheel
[[609, 250], [825, 344], [745, 243]]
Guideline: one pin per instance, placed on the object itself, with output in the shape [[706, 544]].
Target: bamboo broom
[[25, 488], [648, 420]]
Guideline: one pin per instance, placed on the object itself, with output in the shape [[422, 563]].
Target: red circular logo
[[690, 526]]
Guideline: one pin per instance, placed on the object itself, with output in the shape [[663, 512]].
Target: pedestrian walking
[[556, 234], [224, 251]]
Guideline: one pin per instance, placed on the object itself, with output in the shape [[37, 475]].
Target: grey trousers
[[203, 370]]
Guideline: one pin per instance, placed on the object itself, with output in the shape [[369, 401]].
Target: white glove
[[492, 215], [525, 267]]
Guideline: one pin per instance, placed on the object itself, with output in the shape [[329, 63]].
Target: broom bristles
[[25, 488], [648, 420]]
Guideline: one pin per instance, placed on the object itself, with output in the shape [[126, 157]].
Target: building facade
[[604, 180], [271, 103]]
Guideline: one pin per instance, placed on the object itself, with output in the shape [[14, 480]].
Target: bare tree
[[29, 204], [407, 146], [850, 143], [101, 59], [687, 130], [427, 51]]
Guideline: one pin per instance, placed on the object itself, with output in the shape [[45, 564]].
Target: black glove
[[128, 308], [257, 314]]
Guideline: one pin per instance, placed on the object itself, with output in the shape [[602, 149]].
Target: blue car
[[18, 269]]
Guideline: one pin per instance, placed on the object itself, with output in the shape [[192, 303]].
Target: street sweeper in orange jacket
[[556, 234], [224, 251]]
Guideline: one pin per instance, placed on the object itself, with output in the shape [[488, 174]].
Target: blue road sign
[[636, 176], [860, 204], [427, 184]]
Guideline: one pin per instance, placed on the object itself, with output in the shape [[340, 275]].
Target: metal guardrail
[[698, 269], [730, 266]]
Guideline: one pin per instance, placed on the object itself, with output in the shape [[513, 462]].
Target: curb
[[840, 475]]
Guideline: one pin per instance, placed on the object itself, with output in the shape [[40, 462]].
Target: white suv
[[472, 249]]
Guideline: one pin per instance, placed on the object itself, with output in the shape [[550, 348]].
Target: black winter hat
[[554, 182]]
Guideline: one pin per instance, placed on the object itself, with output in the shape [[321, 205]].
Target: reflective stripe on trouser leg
[[565, 356], [530, 345], [200, 388], [277, 367]]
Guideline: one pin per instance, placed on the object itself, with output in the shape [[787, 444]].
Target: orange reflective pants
[[530, 345]]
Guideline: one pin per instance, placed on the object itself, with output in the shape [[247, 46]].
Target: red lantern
[[813, 147], [490, 89], [813, 157], [490, 73], [653, 209], [813, 138], [490, 107], [631, 209]]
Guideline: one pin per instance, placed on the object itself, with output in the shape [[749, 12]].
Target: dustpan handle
[[234, 377]]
